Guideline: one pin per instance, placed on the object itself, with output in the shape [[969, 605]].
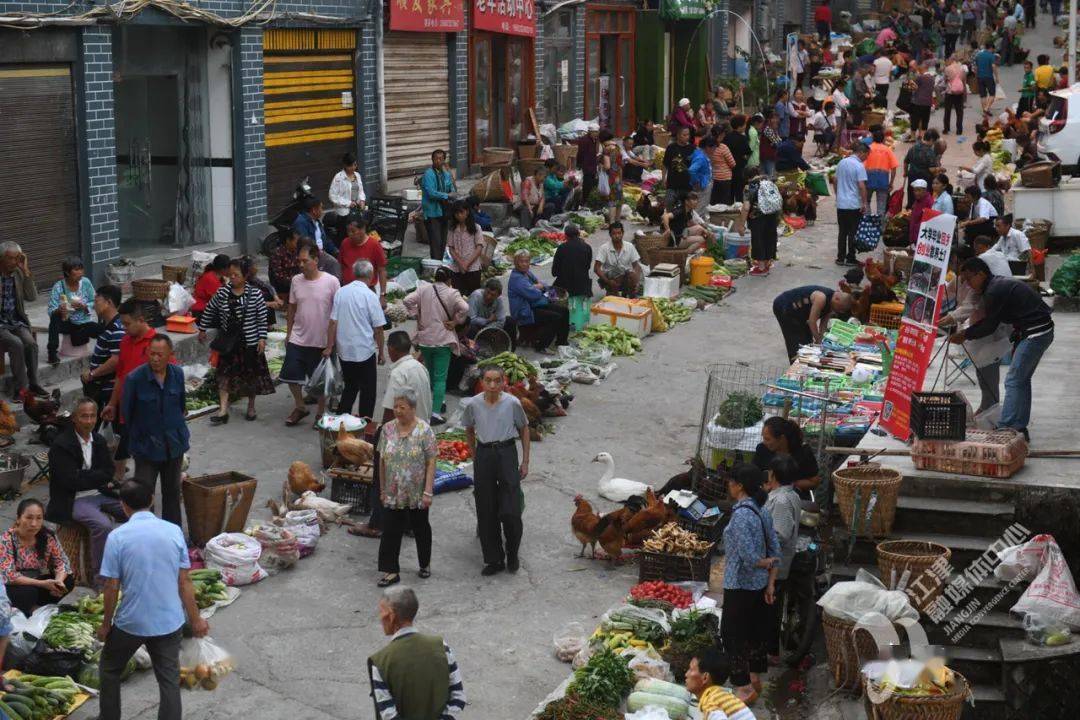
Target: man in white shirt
[[356, 330], [1012, 243], [618, 265], [883, 68], [986, 250]]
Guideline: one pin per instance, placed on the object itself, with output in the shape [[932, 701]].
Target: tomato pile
[[658, 590], [555, 237], [454, 451]]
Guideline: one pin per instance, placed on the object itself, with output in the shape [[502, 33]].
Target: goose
[[617, 489]]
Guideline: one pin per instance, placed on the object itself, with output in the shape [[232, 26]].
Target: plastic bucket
[[736, 246], [701, 270]]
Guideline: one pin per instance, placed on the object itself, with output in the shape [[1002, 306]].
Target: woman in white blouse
[[347, 190]]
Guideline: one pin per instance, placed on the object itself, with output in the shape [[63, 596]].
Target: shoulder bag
[[229, 337]]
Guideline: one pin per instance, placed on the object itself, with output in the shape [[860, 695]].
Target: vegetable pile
[[589, 222], [92, 608], [456, 451], [205, 675], [203, 396], [69, 631], [739, 410], [517, 369], [576, 708], [673, 540], [704, 293], [209, 587], [625, 619], [621, 342], [645, 593], [673, 312], [36, 697], [603, 681], [674, 699], [537, 247]]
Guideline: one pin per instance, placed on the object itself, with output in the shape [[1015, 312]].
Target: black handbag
[[230, 337]]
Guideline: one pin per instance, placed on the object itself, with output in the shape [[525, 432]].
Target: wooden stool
[[75, 541]]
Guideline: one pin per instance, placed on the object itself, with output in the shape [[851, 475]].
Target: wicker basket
[[873, 117], [846, 650], [75, 542], [645, 243], [661, 138], [528, 166], [924, 585], [496, 156], [886, 315], [565, 155], [351, 486], [947, 706], [674, 568], [528, 150], [150, 290], [675, 256], [174, 273], [862, 482], [206, 500]]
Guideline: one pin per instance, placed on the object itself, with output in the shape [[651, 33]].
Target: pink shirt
[[431, 310], [313, 300], [464, 244]]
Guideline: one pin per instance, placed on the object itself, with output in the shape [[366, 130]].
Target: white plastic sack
[[326, 380], [407, 279], [334, 422], [725, 438], [647, 664], [199, 261], [304, 524], [36, 623], [180, 300], [1052, 594], [236, 555], [654, 615], [649, 712], [865, 594]]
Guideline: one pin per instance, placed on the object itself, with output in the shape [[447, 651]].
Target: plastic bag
[[853, 599], [569, 641], [37, 622], [280, 549], [1052, 594], [180, 300], [603, 186], [407, 279], [1042, 631], [326, 380], [237, 557], [647, 664], [44, 660], [203, 664], [654, 615], [304, 524]]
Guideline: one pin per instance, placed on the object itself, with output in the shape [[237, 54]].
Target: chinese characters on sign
[[427, 15], [511, 17], [918, 327]]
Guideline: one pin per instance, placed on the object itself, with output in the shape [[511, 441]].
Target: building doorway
[[609, 68], [502, 90]]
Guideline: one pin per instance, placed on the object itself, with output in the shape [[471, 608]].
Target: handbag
[[868, 234], [229, 338]]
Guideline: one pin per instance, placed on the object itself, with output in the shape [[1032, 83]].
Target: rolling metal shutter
[[38, 160], [309, 105], [417, 95]]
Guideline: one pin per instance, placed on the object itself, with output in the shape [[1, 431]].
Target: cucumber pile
[[37, 697], [209, 587]]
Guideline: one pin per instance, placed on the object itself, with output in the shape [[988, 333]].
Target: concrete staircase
[[966, 515]]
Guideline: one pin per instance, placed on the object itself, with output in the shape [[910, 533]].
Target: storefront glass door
[[559, 67], [502, 78], [609, 69]]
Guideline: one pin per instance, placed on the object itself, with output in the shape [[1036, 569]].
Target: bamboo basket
[[675, 256], [647, 242], [873, 117], [174, 273], [661, 138], [565, 155], [894, 557], [528, 166], [74, 540], [150, 289], [845, 651], [209, 497], [862, 481], [947, 706], [496, 156], [528, 151]]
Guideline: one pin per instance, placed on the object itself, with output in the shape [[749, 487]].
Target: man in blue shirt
[[851, 201], [309, 224], [157, 433], [147, 559], [986, 71]]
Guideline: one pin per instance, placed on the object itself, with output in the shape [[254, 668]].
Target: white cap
[[594, 126], [918, 184], [685, 102]]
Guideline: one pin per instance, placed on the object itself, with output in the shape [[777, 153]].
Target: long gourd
[[662, 687], [676, 708]]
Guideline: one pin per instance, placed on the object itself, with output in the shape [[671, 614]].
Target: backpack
[[768, 198]]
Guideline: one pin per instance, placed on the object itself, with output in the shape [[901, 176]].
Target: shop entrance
[[162, 137], [609, 68], [502, 89], [559, 67]]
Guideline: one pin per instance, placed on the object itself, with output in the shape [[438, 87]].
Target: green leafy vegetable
[[738, 410], [604, 680]]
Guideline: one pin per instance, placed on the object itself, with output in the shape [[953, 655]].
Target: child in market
[[1027, 90], [703, 678]]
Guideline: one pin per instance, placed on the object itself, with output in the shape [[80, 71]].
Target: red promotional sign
[[427, 15], [918, 326], [511, 17]]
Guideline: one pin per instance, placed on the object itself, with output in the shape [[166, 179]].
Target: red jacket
[[205, 287], [823, 14]]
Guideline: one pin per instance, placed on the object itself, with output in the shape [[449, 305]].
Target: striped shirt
[[716, 703], [108, 345], [384, 701], [251, 308]]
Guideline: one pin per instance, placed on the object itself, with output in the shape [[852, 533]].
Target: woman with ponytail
[[751, 553]]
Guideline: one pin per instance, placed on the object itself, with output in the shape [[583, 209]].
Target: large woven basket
[[150, 289], [864, 482], [174, 273], [947, 706], [917, 558], [675, 256], [565, 155], [496, 155], [217, 503], [75, 542], [647, 242], [845, 651]]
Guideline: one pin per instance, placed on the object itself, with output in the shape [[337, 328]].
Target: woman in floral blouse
[[33, 565], [407, 453]]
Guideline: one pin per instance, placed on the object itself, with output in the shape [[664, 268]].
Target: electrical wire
[[260, 12]]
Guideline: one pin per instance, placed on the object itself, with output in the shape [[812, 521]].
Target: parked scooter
[[282, 222]]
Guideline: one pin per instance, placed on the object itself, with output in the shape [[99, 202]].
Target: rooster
[[652, 516], [683, 480], [40, 410], [353, 450], [9, 425], [584, 523], [612, 537]]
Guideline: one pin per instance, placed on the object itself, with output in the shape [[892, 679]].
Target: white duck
[[617, 489]]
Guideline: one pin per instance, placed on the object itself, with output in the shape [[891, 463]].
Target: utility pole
[[1072, 43]]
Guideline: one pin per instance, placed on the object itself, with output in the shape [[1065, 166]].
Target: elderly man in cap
[[415, 677], [588, 159], [922, 202]]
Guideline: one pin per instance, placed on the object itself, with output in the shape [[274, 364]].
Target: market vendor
[[547, 322], [781, 436], [705, 677], [487, 308], [922, 202], [1012, 242], [789, 156], [683, 227], [618, 265], [980, 217], [1012, 302], [34, 567], [803, 314], [570, 268]]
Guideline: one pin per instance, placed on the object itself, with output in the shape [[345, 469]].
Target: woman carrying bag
[[438, 309], [238, 311]]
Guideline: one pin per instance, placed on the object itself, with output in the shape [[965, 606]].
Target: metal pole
[[1072, 42]]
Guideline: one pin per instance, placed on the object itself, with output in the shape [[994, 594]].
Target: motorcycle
[[282, 222], [807, 580]]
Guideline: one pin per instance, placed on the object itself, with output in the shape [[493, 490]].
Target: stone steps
[[947, 515]]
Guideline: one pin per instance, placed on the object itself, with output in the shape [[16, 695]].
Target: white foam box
[[659, 286], [619, 312]]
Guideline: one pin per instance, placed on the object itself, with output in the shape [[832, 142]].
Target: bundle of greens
[[739, 410], [517, 369], [537, 247], [603, 681]]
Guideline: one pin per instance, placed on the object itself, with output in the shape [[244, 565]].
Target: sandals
[[424, 572], [296, 416], [388, 580], [252, 415]]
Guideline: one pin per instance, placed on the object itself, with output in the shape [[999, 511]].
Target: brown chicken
[[41, 411], [528, 402], [584, 523], [652, 516], [612, 537], [301, 479], [353, 450], [8, 424]]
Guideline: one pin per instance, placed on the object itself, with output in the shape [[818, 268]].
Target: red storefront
[[501, 72]]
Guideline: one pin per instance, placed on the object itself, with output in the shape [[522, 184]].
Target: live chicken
[[353, 450], [584, 523]]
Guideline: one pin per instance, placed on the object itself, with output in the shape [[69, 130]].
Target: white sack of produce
[[865, 594], [237, 557], [1052, 592], [180, 300], [305, 525]]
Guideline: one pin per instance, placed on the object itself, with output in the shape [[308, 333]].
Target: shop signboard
[[510, 17], [685, 9], [427, 15], [918, 325]]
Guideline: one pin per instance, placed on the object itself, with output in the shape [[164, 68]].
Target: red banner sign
[[918, 326], [427, 15], [510, 17]]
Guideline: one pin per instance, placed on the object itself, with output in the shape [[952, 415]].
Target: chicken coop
[[740, 396]]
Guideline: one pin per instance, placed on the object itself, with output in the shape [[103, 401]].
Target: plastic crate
[[674, 568], [999, 447], [707, 528], [351, 487], [886, 315], [938, 415]]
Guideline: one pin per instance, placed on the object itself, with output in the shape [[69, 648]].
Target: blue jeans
[[1016, 408], [768, 167]]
